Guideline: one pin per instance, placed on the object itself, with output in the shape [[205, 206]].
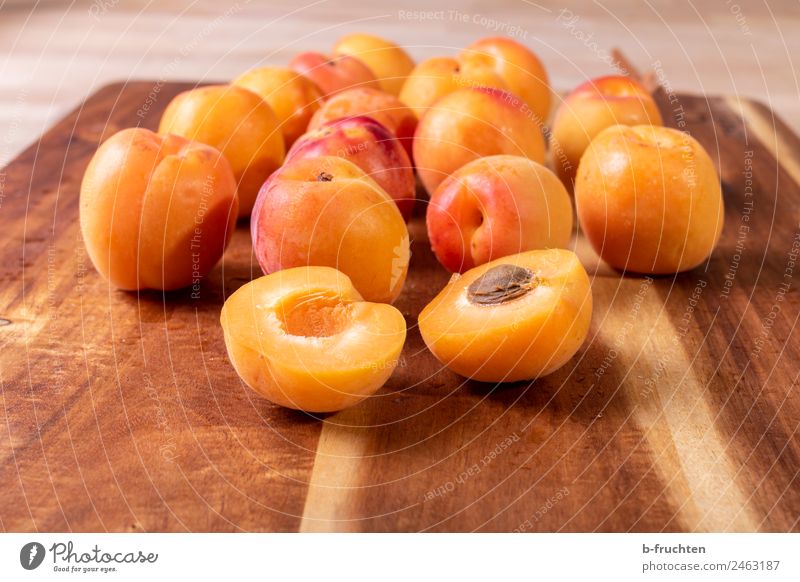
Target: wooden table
[[121, 412]]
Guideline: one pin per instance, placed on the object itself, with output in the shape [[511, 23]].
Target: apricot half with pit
[[517, 318], [304, 338]]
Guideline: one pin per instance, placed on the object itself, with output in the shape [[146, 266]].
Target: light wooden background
[[54, 53]]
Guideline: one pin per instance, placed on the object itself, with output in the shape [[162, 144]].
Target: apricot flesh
[[304, 338], [156, 212], [649, 199], [516, 318]]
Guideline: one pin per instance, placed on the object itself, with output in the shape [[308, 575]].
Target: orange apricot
[[516, 318], [293, 98], [156, 212], [518, 67], [592, 107], [237, 122], [333, 74], [471, 123], [371, 147], [436, 77], [304, 338], [497, 206], [649, 199], [389, 63], [384, 108], [325, 211]]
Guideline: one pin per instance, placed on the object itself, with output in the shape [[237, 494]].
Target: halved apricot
[[304, 338], [516, 318]]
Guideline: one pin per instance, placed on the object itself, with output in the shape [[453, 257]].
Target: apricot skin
[[471, 123], [292, 97], [592, 107], [388, 62], [436, 77], [520, 69], [522, 339], [371, 147], [305, 339], [497, 206], [156, 212], [649, 199], [384, 108], [333, 74], [237, 122], [326, 211]]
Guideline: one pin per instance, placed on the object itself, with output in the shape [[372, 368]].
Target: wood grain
[[120, 411]]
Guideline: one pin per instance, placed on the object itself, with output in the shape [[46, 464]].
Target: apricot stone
[[516, 318]]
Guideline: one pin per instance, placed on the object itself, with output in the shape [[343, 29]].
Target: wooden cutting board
[[121, 412]]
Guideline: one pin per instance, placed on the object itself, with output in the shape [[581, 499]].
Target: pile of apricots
[[324, 157]]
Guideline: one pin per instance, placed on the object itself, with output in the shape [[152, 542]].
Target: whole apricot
[[387, 61], [516, 318], [325, 211], [649, 199], [156, 212], [237, 122], [436, 77], [497, 206], [304, 338], [387, 109], [333, 74], [292, 97], [592, 107], [471, 123], [371, 147], [519, 68]]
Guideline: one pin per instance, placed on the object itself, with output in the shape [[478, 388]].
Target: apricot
[[516, 318], [304, 338], [379, 105], [518, 67], [497, 206], [333, 74], [327, 212], [592, 107], [237, 122], [156, 212], [292, 97], [436, 77], [471, 123], [387, 61], [371, 147], [649, 199]]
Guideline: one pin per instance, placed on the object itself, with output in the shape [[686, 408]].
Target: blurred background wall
[[53, 53]]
